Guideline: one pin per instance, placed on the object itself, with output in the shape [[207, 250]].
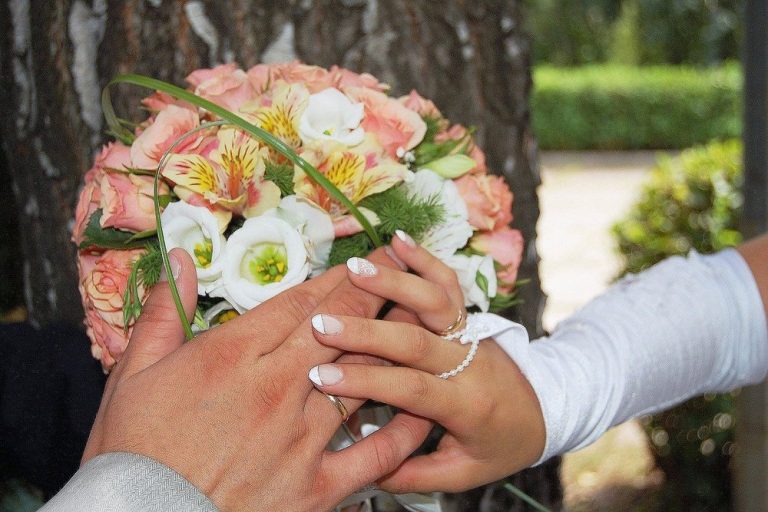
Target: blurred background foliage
[[622, 107], [691, 202], [579, 32]]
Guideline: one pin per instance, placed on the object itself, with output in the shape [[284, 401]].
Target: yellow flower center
[[227, 316], [265, 264], [204, 253]]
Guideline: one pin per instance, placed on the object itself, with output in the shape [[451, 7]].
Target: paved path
[[582, 196]]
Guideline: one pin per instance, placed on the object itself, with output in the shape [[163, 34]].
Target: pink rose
[[395, 126], [420, 105], [459, 132], [314, 78], [225, 85], [488, 199], [103, 281], [341, 78], [505, 245], [170, 124], [158, 101], [127, 201], [261, 76], [87, 203]]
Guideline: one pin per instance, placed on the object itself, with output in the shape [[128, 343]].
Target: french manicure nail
[[325, 375], [405, 238], [394, 257], [326, 324], [362, 267], [175, 268]]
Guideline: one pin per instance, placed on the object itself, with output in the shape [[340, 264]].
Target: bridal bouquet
[[268, 177]]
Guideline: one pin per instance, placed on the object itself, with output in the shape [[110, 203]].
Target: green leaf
[[451, 166], [97, 237], [482, 282], [281, 175]]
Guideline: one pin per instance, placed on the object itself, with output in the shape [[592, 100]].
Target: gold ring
[[339, 407], [455, 326]]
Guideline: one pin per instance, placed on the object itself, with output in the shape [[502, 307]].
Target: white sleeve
[[685, 327], [126, 482]]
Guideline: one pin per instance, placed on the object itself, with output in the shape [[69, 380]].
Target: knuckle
[[298, 303], [386, 453], [421, 345], [220, 356], [270, 392], [417, 386], [355, 303]]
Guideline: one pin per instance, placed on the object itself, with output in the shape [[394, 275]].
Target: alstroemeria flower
[[331, 117], [196, 230], [230, 178], [357, 172], [468, 268], [280, 114], [264, 257]]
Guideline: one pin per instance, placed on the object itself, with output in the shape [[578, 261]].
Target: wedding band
[[464, 364], [455, 326], [336, 401]]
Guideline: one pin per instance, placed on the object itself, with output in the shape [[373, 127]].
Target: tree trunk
[[471, 58]]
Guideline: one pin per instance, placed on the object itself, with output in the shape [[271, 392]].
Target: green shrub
[[692, 201], [619, 107]]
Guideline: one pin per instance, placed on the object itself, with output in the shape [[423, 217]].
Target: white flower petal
[[331, 116], [453, 234], [190, 227], [255, 234]]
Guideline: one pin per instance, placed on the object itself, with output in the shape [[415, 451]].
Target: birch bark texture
[[471, 58]]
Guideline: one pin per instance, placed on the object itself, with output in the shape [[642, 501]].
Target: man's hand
[[233, 411]]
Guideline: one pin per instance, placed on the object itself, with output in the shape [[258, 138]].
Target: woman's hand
[[492, 416]]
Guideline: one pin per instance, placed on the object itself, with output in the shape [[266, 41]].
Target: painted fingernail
[[175, 267], [326, 324], [362, 267], [325, 375], [405, 238], [394, 257]]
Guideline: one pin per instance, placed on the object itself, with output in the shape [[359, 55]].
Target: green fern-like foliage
[[281, 175], [396, 210], [144, 272]]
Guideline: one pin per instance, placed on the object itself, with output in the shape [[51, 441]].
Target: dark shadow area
[[50, 388]]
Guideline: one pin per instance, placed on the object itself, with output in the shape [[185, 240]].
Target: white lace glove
[[685, 327]]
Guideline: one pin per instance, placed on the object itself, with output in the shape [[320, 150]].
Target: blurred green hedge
[[625, 107], [692, 201]]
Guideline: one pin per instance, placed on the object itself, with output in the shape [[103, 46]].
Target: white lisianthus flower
[[331, 116], [196, 230], [261, 259], [453, 233], [473, 271], [315, 226]]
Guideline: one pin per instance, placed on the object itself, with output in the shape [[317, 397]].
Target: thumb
[[159, 330]]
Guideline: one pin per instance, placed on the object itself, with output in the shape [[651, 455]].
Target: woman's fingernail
[[394, 257], [405, 238], [326, 324], [362, 267], [175, 267], [325, 375]]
